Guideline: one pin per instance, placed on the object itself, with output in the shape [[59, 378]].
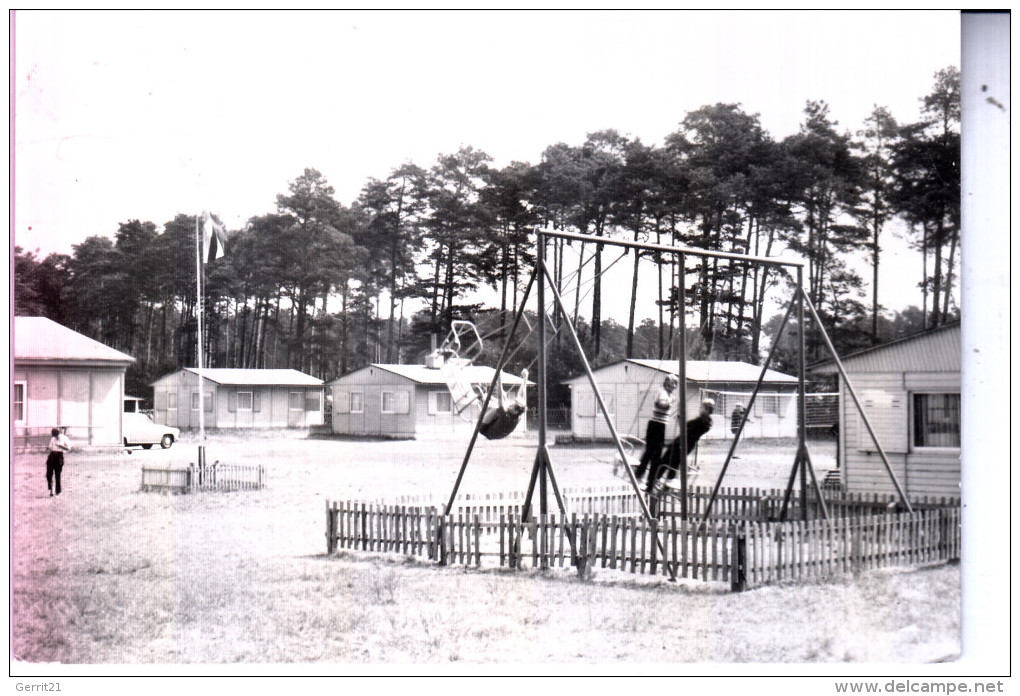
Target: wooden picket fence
[[216, 477], [743, 553], [606, 500], [763, 505], [731, 503]]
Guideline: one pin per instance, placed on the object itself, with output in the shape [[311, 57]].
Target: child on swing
[[500, 420]]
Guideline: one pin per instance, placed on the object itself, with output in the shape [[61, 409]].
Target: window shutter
[[887, 414], [433, 396], [232, 401], [342, 401], [256, 401]]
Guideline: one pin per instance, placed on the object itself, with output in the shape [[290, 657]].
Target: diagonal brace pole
[[857, 402], [605, 412], [747, 413], [488, 394]]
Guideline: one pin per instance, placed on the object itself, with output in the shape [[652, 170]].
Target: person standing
[[55, 459], [736, 418], [655, 432]]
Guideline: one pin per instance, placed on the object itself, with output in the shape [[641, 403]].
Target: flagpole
[[201, 385]]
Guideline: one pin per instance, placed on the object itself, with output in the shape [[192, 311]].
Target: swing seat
[[454, 372], [671, 489], [630, 445]]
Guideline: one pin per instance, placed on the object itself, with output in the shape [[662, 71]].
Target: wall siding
[[371, 382], [632, 389], [88, 401], [274, 409], [927, 471]]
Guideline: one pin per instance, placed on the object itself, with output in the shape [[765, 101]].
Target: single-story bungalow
[[629, 388], [910, 390], [239, 398], [407, 401], [64, 379]]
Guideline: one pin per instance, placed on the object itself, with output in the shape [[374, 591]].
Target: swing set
[[543, 476]]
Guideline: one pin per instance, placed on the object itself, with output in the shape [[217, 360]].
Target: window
[[444, 402], [296, 402], [19, 402], [937, 420], [244, 401], [312, 401], [765, 404], [439, 401], [357, 402], [171, 400], [396, 402], [208, 401]]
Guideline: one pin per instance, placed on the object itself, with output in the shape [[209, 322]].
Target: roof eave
[[72, 362]]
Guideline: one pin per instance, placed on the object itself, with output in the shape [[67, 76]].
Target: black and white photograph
[[669, 345]]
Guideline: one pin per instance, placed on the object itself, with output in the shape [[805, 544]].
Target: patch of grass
[[111, 575]]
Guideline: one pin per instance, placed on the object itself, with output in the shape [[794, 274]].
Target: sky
[[143, 115]]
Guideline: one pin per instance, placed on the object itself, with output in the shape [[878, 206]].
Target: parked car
[[140, 430]]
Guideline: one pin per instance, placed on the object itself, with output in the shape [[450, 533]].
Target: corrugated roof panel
[[39, 338], [936, 350]]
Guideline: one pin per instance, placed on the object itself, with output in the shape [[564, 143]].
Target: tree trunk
[[393, 294], [435, 286], [948, 289], [658, 268], [924, 276], [633, 301], [876, 230], [936, 289], [577, 283]]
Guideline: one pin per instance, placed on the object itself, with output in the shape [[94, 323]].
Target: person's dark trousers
[[668, 465], [655, 436], [54, 464]]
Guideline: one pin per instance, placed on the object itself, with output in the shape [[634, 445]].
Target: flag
[[214, 238]]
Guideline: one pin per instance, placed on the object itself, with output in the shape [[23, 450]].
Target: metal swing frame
[[542, 473]]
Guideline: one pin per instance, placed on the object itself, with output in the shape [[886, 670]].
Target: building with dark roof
[[64, 379]]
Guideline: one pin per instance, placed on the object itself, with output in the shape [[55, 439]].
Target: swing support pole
[[612, 428], [857, 403], [682, 378], [488, 394]]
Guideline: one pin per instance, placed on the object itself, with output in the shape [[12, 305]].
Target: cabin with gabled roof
[[910, 391], [409, 401], [239, 398], [629, 387], [66, 380]]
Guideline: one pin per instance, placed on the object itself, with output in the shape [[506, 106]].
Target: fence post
[[330, 531], [441, 534], [581, 535], [738, 574]]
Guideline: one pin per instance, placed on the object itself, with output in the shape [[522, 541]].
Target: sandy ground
[[108, 574]]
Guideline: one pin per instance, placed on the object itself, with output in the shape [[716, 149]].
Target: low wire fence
[[214, 477], [742, 552]]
